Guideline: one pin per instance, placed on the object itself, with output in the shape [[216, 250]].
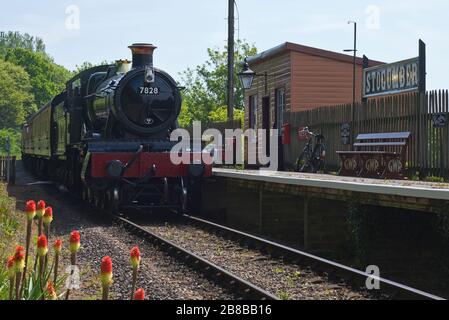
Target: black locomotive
[[107, 137]]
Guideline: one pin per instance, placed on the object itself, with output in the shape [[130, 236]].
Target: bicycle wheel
[[319, 156], [303, 163]]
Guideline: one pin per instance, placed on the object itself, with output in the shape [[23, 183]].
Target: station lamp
[[246, 76]]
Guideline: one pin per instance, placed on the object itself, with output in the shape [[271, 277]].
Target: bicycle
[[312, 157]]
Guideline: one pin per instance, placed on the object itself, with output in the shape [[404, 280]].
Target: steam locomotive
[[107, 138]]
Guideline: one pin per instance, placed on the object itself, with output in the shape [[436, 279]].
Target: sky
[[84, 30]]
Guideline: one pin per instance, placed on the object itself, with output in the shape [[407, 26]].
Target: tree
[[16, 101], [14, 39], [221, 114], [14, 137], [47, 78], [87, 65], [206, 84]]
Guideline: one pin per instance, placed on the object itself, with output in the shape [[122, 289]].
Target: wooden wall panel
[[319, 81], [279, 76]]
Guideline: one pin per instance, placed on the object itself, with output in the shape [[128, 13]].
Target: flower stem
[[134, 283], [41, 275], [106, 293], [27, 252], [18, 278], [11, 288], [55, 278], [73, 263], [40, 225], [47, 234]]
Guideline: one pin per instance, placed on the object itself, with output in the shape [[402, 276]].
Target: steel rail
[[210, 270], [349, 272]]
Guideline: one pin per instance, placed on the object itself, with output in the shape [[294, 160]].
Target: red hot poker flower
[[57, 246], [106, 271], [42, 245], [10, 267], [10, 262], [74, 241], [139, 294], [40, 209], [30, 210], [19, 259], [48, 216], [51, 291], [135, 257]]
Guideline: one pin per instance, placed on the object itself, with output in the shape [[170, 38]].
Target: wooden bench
[[376, 155]]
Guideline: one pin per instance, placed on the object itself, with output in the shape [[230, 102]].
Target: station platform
[[405, 194]]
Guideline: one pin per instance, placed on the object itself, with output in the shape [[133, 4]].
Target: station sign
[[399, 77], [391, 78]]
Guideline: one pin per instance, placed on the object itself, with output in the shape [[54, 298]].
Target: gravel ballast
[[287, 281]]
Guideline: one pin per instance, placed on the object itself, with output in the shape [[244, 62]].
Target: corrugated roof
[[289, 46]]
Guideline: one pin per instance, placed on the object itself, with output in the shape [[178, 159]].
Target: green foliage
[[87, 65], [16, 101], [414, 176], [14, 39], [8, 221], [10, 232], [47, 78], [283, 295], [35, 287], [221, 114], [206, 85], [4, 281], [359, 224], [14, 139], [9, 226], [440, 224], [434, 179], [29, 78]]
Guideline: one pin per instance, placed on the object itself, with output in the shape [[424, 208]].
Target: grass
[[283, 295], [10, 229], [9, 220], [278, 270], [434, 179], [430, 178]]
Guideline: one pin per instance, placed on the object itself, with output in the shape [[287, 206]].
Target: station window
[[253, 112], [280, 107]]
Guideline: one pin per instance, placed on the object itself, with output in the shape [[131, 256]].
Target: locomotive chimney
[[142, 54]]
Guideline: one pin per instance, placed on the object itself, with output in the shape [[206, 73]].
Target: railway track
[[333, 269], [235, 284]]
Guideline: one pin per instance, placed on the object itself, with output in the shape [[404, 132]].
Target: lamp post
[[354, 50], [231, 60], [246, 77]]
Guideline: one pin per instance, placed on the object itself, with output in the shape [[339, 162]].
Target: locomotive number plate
[[149, 90]]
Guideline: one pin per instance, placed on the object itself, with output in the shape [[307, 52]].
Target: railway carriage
[[107, 138]]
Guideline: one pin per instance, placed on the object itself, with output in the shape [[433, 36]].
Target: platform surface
[[407, 188]]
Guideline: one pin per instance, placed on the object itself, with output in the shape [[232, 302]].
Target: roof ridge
[[291, 46]]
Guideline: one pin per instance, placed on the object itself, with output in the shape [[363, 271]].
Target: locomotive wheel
[[97, 201], [111, 202], [115, 201], [102, 199], [84, 194], [107, 201], [100, 202], [184, 196], [90, 197]]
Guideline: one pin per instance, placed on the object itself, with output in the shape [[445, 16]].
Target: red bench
[[376, 155]]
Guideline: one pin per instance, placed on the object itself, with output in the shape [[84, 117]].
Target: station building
[[292, 77]]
